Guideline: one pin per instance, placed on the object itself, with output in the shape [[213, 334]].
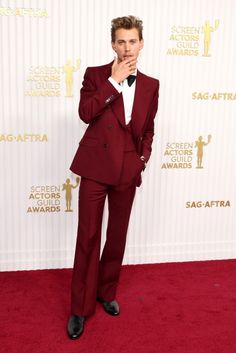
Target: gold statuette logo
[[48, 198], [180, 155], [67, 187], [207, 30], [45, 81], [191, 40], [69, 70], [200, 144]]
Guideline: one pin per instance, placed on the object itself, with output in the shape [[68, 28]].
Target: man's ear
[[113, 46], [141, 44]]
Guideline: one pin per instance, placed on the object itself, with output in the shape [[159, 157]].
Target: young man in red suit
[[119, 104]]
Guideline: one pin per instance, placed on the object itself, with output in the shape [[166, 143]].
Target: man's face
[[127, 44]]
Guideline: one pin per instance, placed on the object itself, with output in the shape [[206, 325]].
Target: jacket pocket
[[88, 141]]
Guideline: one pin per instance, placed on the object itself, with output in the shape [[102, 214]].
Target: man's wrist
[[115, 84], [116, 79]]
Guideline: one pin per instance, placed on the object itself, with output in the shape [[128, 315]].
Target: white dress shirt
[[128, 95], [128, 98]]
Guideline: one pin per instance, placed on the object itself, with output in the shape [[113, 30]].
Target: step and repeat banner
[[185, 209]]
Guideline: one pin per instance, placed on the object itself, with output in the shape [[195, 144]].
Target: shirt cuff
[[115, 84]]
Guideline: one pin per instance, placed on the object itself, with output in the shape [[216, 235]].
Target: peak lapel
[[139, 113], [118, 109], [118, 105]]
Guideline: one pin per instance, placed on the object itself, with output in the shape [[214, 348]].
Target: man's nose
[[127, 47]]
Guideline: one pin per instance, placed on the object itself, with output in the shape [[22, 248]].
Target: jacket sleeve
[[148, 134], [94, 96]]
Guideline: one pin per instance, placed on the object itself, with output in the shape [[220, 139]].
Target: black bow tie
[[131, 79]]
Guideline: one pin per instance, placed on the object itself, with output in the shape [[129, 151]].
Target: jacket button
[[105, 145], [109, 127]]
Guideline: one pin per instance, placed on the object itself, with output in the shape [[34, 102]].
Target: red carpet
[[165, 308]]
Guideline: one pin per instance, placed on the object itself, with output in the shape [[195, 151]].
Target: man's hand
[[120, 71]]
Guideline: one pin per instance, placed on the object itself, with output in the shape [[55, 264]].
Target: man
[[113, 152]]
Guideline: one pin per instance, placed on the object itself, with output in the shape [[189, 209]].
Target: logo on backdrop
[[51, 198], [200, 145], [185, 155], [45, 81], [192, 41], [67, 187], [69, 69], [23, 12], [215, 96], [23, 138], [207, 204]]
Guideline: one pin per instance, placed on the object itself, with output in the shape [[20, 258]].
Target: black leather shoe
[[75, 326], [112, 308]]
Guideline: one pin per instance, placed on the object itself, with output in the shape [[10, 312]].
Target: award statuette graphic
[[69, 70], [207, 29], [200, 144], [67, 186]]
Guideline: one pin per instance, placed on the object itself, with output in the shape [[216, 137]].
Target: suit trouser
[[93, 278]]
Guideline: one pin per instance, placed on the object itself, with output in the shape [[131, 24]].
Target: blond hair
[[126, 22]]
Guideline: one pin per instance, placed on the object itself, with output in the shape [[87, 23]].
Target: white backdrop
[[185, 209]]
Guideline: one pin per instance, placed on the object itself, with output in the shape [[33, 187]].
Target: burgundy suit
[[108, 160]]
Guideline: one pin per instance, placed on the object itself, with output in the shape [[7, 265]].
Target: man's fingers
[[130, 61], [121, 70]]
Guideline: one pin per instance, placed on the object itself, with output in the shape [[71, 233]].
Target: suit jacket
[[101, 150]]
